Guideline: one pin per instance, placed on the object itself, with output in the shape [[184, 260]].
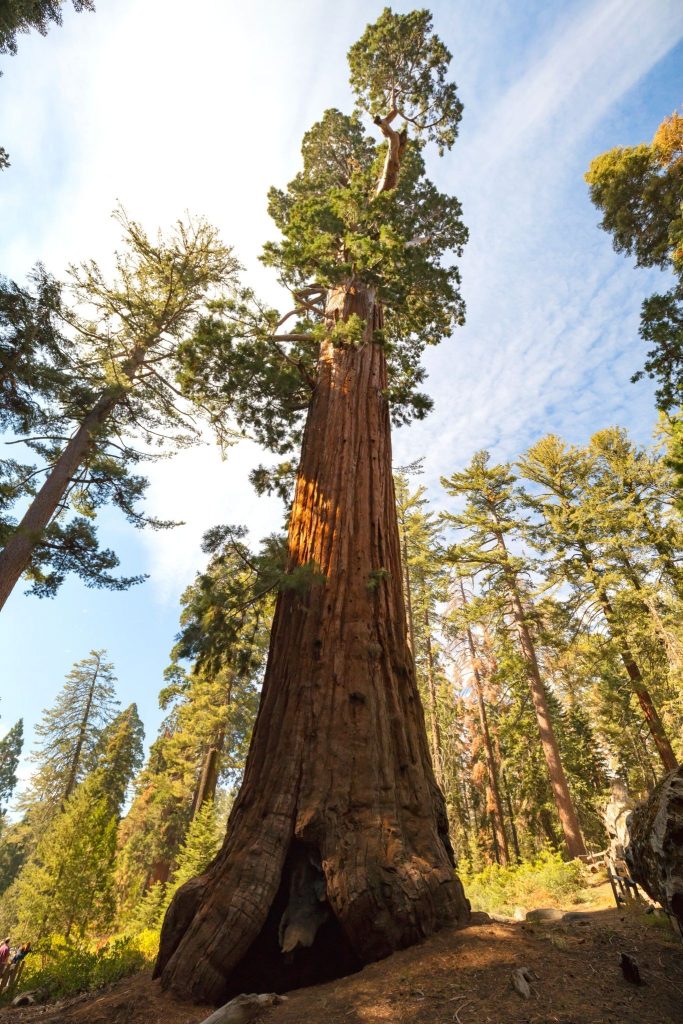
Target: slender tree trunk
[[492, 822], [337, 850], [654, 722], [513, 822], [408, 589], [76, 759], [207, 782], [548, 827], [16, 556], [558, 781], [437, 754], [642, 757], [497, 819], [649, 608]]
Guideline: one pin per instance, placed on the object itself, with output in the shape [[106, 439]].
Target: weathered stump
[[655, 850]]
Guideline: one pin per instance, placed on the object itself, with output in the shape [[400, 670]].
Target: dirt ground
[[455, 977]]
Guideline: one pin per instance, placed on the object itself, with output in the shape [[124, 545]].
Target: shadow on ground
[[456, 977]]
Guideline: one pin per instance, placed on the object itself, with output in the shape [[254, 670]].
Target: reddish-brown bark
[[435, 728], [551, 752], [647, 705], [337, 847], [15, 557], [208, 780], [497, 819]]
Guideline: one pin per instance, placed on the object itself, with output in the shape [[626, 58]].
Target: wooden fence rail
[[9, 976]]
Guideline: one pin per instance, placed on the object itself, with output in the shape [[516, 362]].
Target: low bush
[[545, 881], [57, 968]]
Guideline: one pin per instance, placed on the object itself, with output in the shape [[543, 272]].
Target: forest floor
[[455, 977]]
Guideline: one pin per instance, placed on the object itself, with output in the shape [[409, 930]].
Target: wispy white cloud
[[168, 113], [551, 339], [593, 55], [202, 490]]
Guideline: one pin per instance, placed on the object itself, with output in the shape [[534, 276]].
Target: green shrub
[[545, 881], [57, 968]]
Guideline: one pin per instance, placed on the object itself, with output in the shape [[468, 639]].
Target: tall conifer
[[489, 516], [363, 233]]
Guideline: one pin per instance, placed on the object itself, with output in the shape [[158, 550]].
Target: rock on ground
[[655, 850], [244, 1008]]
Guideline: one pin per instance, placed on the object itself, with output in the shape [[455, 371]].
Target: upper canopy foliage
[[639, 191], [107, 343], [399, 64], [344, 220], [23, 15]]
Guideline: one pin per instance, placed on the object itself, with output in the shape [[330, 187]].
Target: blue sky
[[168, 108]]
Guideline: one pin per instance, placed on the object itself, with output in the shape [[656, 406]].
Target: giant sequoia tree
[[337, 850]]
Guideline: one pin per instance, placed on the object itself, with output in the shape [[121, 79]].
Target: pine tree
[[24, 15], [71, 730], [68, 883], [118, 756], [572, 530], [153, 829], [638, 191], [126, 391], [11, 746], [489, 515], [210, 699], [363, 233], [35, 354], [149, 910], [201, 844], [69, 735], [634, 489]]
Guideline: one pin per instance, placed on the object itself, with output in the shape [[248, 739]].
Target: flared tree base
[[296, 917]]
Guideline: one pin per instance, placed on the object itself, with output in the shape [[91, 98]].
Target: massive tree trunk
[[337, 850]]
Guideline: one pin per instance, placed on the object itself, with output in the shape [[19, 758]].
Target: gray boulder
[[655, 850], [545, 914], [244, 1008], [25, 999]]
